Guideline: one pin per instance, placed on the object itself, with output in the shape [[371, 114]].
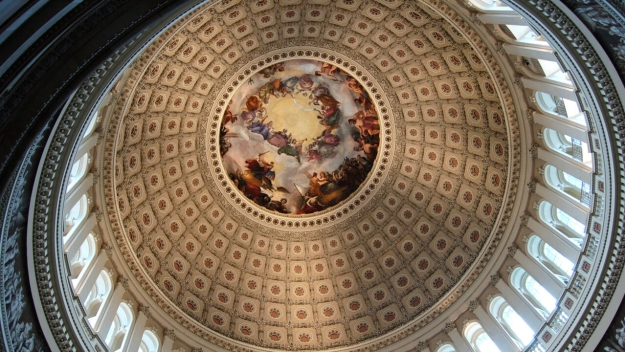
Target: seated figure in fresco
[[253, 103], [305, 84], [313, 154], [370, 150], [290, 84], [363, 98], [257, 174], [353, 84], [328, 188], [279, 206], [319, 90], [330, 112], [365, 122], [329, 138], [224, 144], [310, 204], [275, 88], [255, 121], [366, 164], [318, 151], [327, 191], [254, 110], [259, 127], [329, 71], [228, 116], [267, 72], [292, 148]]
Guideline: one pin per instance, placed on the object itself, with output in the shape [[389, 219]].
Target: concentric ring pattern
[[398, 252]]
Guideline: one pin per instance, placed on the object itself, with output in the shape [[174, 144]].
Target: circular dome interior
[[310, 175]]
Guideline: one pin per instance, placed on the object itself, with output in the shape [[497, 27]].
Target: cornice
[[49, 52], [599, 94], [45, 229], [65, 323]]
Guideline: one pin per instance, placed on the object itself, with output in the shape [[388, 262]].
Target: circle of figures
[[300, 176]]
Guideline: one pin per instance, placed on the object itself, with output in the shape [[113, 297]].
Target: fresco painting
[[299, 137]]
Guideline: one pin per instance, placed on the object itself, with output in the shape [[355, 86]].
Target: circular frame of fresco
[[301, 134]]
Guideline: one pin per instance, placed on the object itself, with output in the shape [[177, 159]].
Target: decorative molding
[[170, 333], [270, 228], [122, 281], [108, 250], [532, 185], [578, 53], [449, 327], [494, 279], [597, 313], [145, 310], [525, 218], [473, 304], [512, 250]]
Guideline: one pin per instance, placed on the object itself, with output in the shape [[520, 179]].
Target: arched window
[[560, 107], [97, 296], [511, 322], [149, 342], [567, 184], [446, 348], [479, 339], [550, 258], [520, 33], [553, 71], [533, 292], [566, 145], [91, 125], [78, 171], [562, 222], [558, 142], [81, 260], [569, 222], [119, 328], [76, 215]]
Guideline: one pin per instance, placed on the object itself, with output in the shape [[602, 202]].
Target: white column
[[531, 52], [78, 236], [513, 19], [561, 91], [168, 340], [136, 331], [576, 210], [105, 319], [562, 125], [494, 330], [74, 196], [554, 239], [88, 280], [460, 344], [554, 286], [86, 146], [571, 166], [529, 314]]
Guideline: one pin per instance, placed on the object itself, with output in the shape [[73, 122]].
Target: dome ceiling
[[197, 212]]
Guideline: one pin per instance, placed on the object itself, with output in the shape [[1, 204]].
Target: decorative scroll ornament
[[474, 303], [449, 327], [494, 279]]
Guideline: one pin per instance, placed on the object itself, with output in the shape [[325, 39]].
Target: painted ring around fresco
[[299, 136]]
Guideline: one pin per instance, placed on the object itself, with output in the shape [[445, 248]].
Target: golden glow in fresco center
[[299, 137]]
